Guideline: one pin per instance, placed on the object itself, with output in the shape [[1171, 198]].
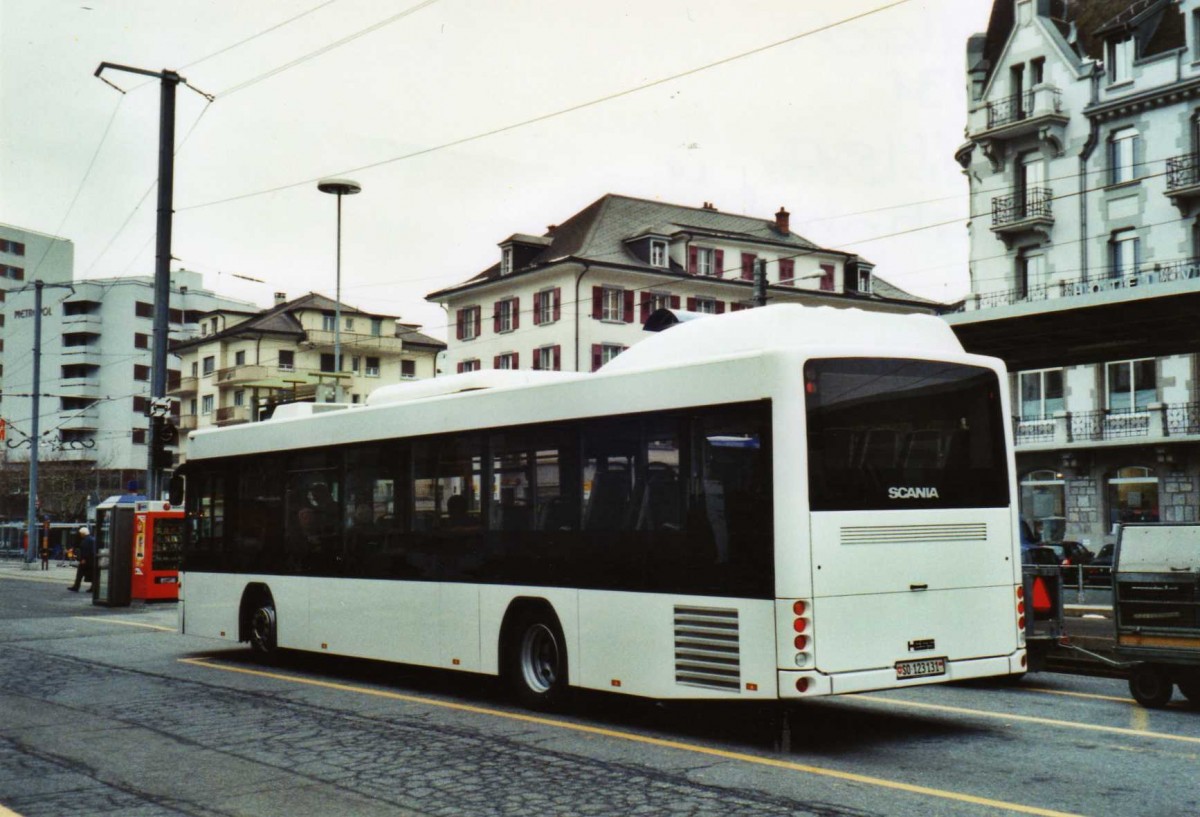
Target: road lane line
[[106, 620], [983, 713], [851, 777], [1092, 695]]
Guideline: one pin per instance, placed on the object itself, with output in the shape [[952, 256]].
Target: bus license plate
[[922, 668]]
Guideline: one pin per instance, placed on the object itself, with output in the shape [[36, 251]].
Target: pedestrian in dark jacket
[[87, 555]]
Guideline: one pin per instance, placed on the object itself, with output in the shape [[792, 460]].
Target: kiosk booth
[[138, 550]]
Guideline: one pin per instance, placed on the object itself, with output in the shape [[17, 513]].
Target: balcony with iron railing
[[1154, 423], [232, 415], [353, 342], [1037, 111], [1145, 275], [186, 385], [1023, 211], [1183, 177]]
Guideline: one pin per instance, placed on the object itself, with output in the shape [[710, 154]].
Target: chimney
[[781, 221], [708, 205], [280, 298]]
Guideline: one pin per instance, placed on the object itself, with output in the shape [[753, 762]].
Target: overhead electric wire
[[553, 114]]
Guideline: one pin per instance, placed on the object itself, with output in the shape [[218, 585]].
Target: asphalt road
[[110, 712]]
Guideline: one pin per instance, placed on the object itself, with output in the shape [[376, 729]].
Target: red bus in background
[[157, 551]]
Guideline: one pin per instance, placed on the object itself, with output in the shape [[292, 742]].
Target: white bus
[[778, 503]]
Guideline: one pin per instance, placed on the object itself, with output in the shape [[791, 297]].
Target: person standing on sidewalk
[[44, 552], [87, 552]]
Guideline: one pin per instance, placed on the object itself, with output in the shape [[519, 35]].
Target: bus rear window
[[889, 434]]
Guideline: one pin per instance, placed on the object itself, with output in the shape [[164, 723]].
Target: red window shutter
[[748, 266], [674, 301], [691, 305], [516, 314], [645, 306], [460, 325], [827, 277], [720, 307], [787, 269], [557, 358], [628, 306], [719, 263], [478, 320], [460, 367], [516, 360], [595, 356], [597, 302], [557, 303], [496, 362], [692, 262], [537, 314], [496, 316], [736, 307], [537, 358]]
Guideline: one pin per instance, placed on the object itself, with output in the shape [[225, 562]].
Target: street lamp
[[339, 188]]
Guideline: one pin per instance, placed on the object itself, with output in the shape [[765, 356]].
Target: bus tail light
[[802, 625], [1021, 608], [802, 685]]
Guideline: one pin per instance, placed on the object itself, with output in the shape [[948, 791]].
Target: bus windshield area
[[891, 434]]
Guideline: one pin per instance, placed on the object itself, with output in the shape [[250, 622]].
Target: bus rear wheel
[[537, 661], [263, 637], [1150, 686]]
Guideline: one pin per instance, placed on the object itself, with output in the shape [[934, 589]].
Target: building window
[[372, 367], [1120, 60], [239, 397], [658, 253], [139, 436], [748, 259], [707, 306], [192, 406], [141, 372], [505, 318], [1124, 253], [376, 327], [329, 323], [506, 260], [408, 369], [1043, 505], [1037, 71], [547, 358], [1131, 385], [355, 363], [1031, 271], [349, 324], [706, 263], [195, 368], [141, 405], [654, 301], [143, 310], [206, 404], [12, 247], [1041, 394], [508, 360], [141, 340], [1133, 495], [864, 281], [209, 365], [287, 360], [239, 358], [467, 325], [612, 305], [828, 284], [787, 271], [12, 273], [604, 352], [327, 363], [1123, 147], [547, 305], [471, 365]]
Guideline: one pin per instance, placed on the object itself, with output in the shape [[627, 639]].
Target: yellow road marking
[[635, 738], [105, 620], [983, 713], [7, 813], [1090, 695]]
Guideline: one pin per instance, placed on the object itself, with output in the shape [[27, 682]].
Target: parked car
[[1040, 555], [1099, 571], [1071, 553]]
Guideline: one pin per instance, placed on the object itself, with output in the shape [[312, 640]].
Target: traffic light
[[167, 435]]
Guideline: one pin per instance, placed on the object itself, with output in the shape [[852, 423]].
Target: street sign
[[160, 406]]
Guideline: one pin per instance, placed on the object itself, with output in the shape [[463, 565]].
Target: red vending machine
[[157, 551]]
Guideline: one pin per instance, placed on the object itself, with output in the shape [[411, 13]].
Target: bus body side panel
[[364, 618], [212, 602], [667, 646], [495, 601]]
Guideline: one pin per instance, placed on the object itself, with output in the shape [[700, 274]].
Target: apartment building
[[96, 339], [1083, 164], [244, 363], [577, 295]]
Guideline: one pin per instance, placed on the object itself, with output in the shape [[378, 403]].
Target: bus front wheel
[[537, 661], [262, 627], [1150, 686]]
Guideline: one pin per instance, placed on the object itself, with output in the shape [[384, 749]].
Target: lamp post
[[339, 188]]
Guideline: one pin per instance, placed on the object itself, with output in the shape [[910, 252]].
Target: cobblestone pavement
[[404, 762]]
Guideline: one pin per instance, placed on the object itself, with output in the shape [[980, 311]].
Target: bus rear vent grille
[[906, 534], [706, 648]]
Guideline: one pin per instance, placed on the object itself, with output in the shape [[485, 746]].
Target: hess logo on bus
[[912, 492]]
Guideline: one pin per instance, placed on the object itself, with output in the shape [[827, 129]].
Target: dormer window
[[864, 281], [1120, 60], [506, 260], [658, 253]]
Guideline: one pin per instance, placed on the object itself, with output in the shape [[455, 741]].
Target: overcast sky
[[851, 124]]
